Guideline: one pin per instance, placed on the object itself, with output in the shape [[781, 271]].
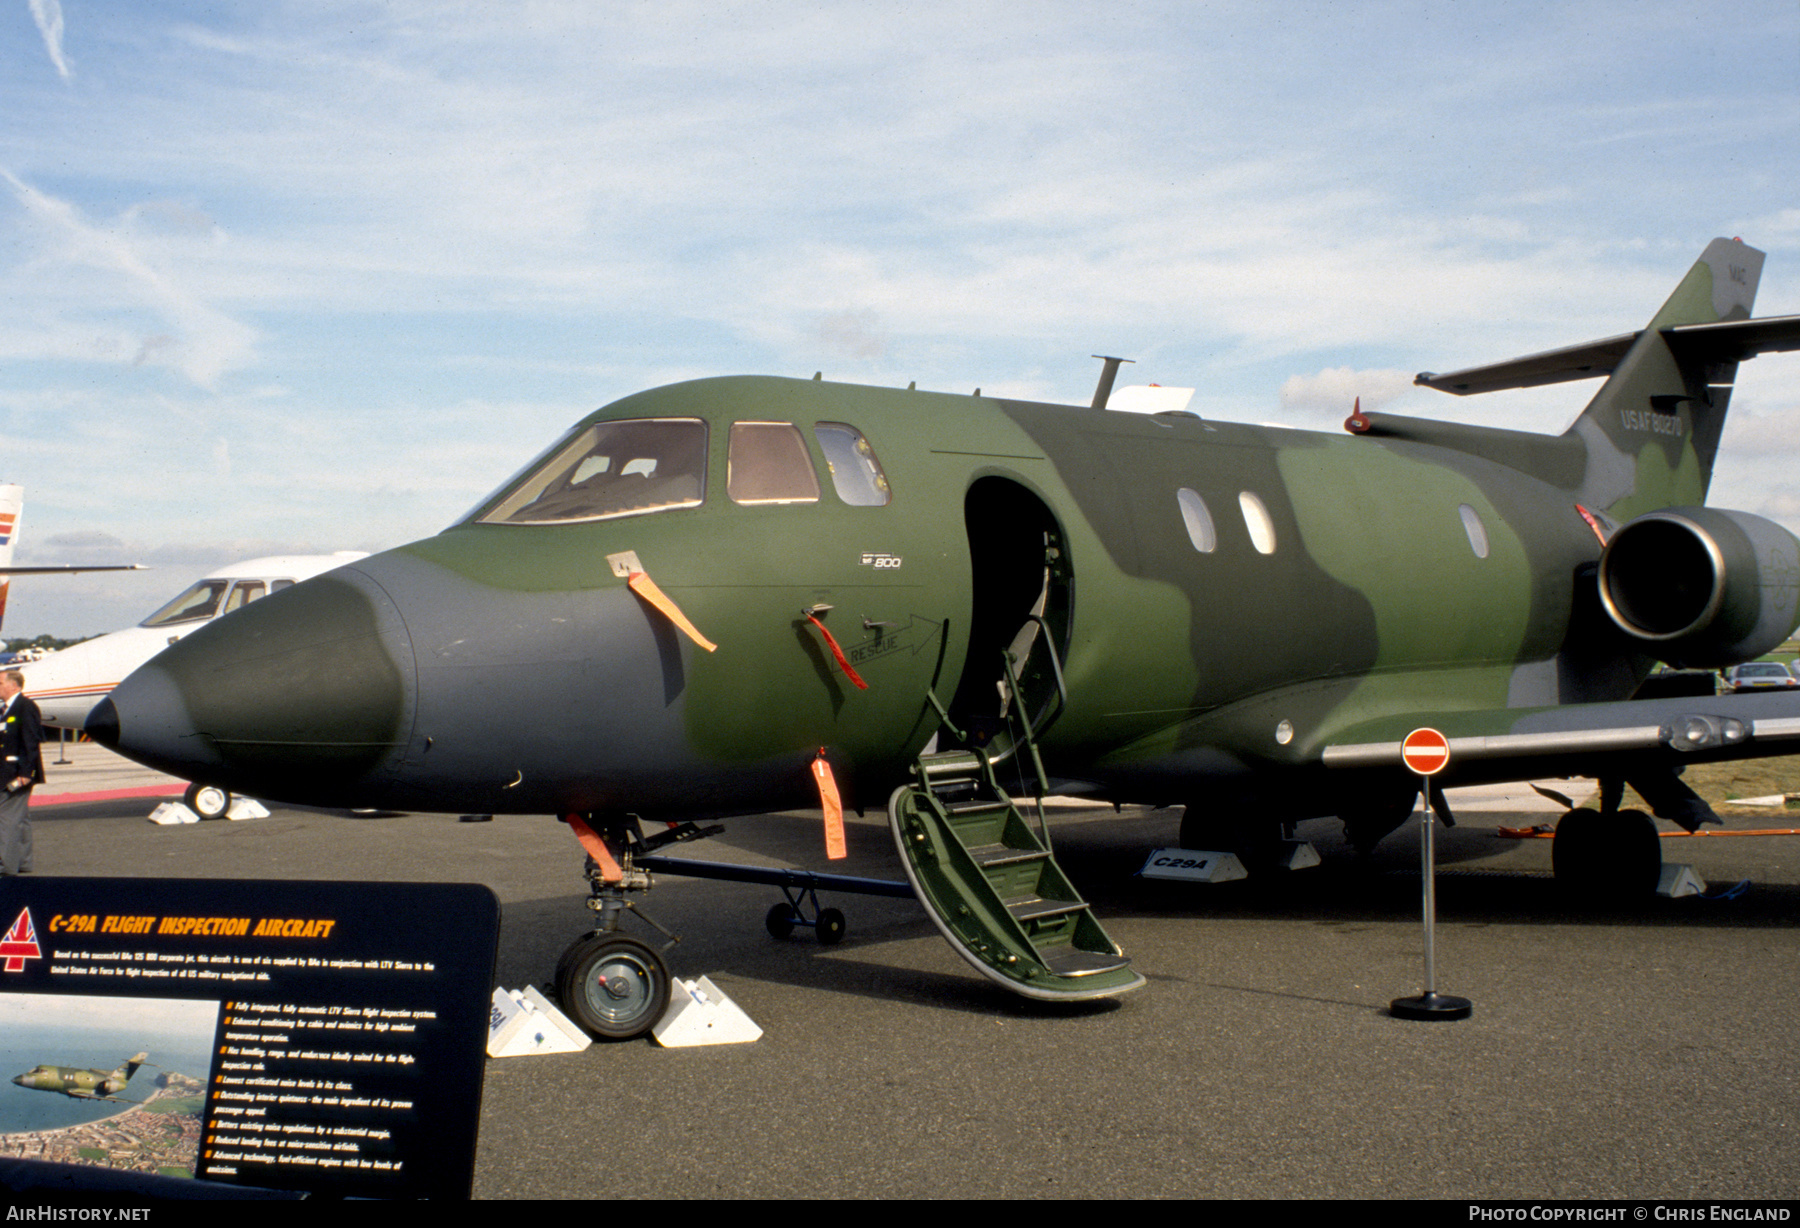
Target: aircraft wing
[[1504, 744]]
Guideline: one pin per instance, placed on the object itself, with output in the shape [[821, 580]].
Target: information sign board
[[315, 1036]]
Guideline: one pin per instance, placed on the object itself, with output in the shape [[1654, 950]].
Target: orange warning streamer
[[843, 662], [645, 587], [596, 848], [833, 807]]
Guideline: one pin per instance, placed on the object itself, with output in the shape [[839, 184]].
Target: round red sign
[[1426, 752]]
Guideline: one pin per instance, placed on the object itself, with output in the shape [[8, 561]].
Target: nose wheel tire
[[207, 801], [613, 986]]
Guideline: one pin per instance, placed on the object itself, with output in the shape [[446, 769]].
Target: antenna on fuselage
[[1108, 373]]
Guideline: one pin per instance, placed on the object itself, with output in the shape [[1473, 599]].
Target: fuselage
[[1223, 600]]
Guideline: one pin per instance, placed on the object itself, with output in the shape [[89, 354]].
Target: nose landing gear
[[614, 986], [617, 987], [207, 801]]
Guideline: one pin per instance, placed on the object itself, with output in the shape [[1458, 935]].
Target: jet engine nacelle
[[1702, 587]]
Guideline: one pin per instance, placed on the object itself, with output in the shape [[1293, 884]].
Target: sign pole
[[1426, 752]]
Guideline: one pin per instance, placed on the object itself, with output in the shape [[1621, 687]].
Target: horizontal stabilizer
[[1551, 367], [70, 569], [1729, 341], [1735, 340]]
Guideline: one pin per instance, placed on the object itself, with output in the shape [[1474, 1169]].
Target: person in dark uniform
[[21, 766]]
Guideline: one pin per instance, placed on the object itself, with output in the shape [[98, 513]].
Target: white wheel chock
[[700, 1014]]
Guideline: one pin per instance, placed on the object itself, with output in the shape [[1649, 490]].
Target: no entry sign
[[1426, 752]]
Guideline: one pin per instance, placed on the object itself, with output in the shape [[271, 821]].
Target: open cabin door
[[988, 880], [1011, 684]]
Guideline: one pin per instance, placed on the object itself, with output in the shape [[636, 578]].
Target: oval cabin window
[[1256, 519], [1198, 520], [1478, 538]]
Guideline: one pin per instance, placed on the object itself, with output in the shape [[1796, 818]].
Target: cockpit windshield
[[611, 469], [200, 601], [203, 600]]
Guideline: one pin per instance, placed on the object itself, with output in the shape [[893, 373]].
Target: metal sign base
[[1431, 1006]]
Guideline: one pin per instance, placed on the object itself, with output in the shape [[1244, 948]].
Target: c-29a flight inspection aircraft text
[[922, 598]]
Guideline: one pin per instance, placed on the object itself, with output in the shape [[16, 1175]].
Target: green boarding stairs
[[991, 885]]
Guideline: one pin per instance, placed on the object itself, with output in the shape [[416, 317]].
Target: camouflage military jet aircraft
[[935, 596], [83, 1084]]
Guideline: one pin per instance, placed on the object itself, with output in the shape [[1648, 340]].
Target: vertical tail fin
[[1652, 431], [12, 506]]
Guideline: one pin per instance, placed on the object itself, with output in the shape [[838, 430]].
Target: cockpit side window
[[243, 594], [855, 473], [769, 464], [198, 602], [612, 469]]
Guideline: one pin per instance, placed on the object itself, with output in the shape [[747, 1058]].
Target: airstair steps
[[1035, 908], [992, 856], [994, 890]]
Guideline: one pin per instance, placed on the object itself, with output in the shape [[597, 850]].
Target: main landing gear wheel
[[1257, 845], [613, 986], [207, 801], [1609, 857]]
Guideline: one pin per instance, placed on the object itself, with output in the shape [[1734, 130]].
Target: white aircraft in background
[[66, 684]]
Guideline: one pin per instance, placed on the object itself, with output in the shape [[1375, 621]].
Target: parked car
[[1759, 676]]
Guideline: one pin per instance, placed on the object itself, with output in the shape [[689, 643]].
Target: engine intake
[[1702, 587]]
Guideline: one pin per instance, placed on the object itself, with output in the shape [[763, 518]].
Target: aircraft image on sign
[[738, 595], [83, 1084], [67, 684]]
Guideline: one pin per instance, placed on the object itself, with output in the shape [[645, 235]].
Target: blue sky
[[317, 276]]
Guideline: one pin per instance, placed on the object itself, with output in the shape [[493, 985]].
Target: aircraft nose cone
[[103, 726], [301, 696]]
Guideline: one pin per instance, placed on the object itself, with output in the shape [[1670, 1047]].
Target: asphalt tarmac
[[1638, 1053]]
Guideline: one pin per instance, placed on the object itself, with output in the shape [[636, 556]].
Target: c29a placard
[[314, 1036]]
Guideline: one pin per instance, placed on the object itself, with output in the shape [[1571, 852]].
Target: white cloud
[[49, 18], [204, 343], [1763, 435], [1336, 390], [853, 334]]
